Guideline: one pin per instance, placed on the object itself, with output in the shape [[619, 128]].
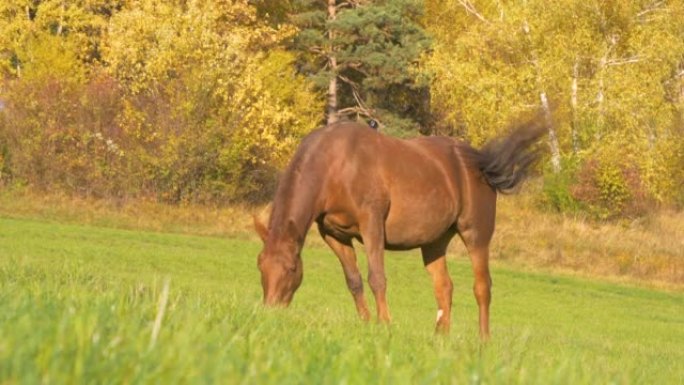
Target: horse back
[[418, 185]]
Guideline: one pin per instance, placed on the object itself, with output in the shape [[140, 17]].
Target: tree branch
[[346, 4], [357, 66], [470, 8], [355, 92], [318, 50], [655, 6], [359, 102], [347, 80], [354, 110], [617, 62]]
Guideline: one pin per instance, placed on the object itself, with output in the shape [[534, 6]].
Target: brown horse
[[394, 194]]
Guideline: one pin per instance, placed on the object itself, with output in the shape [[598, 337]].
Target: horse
[[391, 194]]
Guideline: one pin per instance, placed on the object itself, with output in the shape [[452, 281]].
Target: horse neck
[[293, 212]]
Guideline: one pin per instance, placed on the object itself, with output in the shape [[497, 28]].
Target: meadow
[[93, 304], [138, 137]]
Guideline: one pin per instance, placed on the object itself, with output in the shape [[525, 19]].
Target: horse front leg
[[345, 253]]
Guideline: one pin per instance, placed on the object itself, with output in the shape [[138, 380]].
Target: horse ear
[[260, 228], [259, 222]]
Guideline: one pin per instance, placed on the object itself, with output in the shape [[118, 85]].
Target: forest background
[[204, 101]]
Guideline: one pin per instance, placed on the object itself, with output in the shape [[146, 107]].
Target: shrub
[[557, 187], [609, 189], [172, 141], [61, 134]]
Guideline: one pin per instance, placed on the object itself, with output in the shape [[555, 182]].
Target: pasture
[[87, 304]]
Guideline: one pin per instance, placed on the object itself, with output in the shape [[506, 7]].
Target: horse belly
[[411, 226]]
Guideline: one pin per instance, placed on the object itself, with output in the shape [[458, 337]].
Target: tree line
[[204, 101]]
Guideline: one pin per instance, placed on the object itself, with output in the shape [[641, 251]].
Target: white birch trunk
[[60, 26], [553, 138], [332, 86], [573, 106], [600, 95]]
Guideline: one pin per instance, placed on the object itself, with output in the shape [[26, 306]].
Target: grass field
[[85, 304], [646, 251]]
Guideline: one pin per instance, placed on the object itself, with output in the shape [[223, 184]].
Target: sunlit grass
[[648, 251], [78, 304]]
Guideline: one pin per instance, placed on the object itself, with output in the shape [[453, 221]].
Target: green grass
[[78, 305]]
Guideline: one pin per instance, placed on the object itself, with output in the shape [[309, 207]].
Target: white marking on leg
[[440, 313]]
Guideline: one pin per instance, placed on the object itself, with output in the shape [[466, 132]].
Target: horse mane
[[289, 185]]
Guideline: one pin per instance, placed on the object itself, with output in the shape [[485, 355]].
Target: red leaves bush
[[611, 189]]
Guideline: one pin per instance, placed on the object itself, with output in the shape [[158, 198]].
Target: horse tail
[[505, 161]]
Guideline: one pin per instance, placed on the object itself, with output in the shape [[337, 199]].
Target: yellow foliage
[[194, 100], [614, 69]]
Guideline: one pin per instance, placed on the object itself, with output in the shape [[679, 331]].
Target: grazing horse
[[393, 194]]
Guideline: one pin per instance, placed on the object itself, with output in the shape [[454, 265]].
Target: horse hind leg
[[373, 234], [476, 228], [345, 253], [478, 249], [482, 287], [434, 258]]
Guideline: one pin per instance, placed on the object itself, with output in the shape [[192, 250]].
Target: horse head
[[280, 264]]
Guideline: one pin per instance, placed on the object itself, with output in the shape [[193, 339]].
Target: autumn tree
[[52, 37], [182, 100], [611, 67], [235, 106], [188, 100], [49, 53]]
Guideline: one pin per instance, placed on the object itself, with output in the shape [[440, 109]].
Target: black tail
[[505, 161]]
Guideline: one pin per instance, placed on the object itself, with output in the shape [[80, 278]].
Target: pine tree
[[365, 54]]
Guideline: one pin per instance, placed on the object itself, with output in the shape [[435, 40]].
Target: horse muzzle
[[277, 301]]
